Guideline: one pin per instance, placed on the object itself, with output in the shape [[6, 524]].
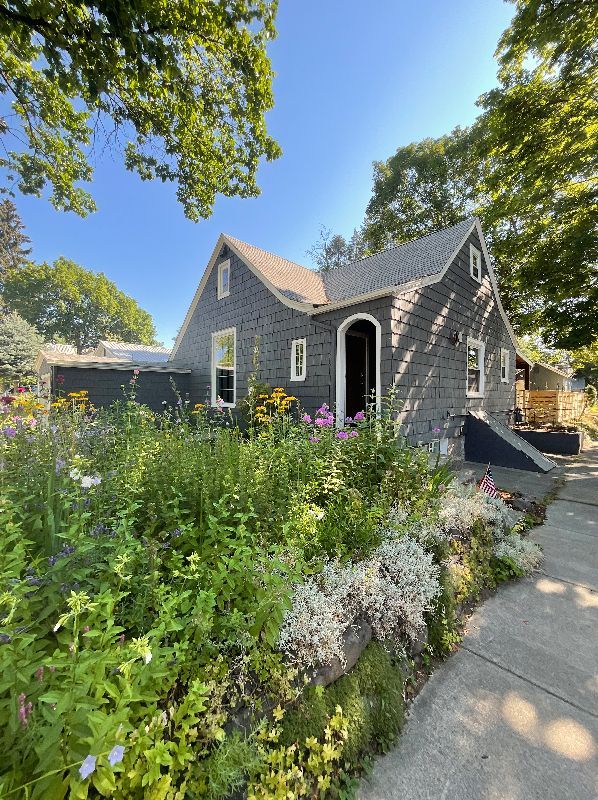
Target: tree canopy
[[527, 167], [180, 88], [333, 250], [67, 302], [19, 346]]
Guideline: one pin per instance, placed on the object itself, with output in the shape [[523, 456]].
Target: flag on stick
[[487, 484]]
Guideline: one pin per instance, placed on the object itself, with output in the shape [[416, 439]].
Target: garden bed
[[189, 611], [564, 442]]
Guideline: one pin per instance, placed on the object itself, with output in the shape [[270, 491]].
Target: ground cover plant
[[170, 582]]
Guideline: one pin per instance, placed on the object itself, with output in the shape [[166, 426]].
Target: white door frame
[[341, 364]]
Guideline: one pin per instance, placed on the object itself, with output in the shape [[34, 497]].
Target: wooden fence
[[550, 406]]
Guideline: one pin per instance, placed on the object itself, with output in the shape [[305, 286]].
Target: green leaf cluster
[[181, 89], [66, 302]]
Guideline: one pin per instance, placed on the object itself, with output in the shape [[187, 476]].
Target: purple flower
[[115, 756], [353, 434], [436, 430], [10, 432], [87, 767], [323, 409], [306, 418], [60, 463], [314, 439], [359, 417], [60, 379], [25, 710], [348, 420], [342, 435]]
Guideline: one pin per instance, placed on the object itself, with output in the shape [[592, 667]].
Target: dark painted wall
[[255, 311], [105, 385], [417, 353], [430, 371]]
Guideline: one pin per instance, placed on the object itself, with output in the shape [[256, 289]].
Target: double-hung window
[[504, 365], [475, 368], [224, 279], [475, 263], [224, 367], [298, 360]]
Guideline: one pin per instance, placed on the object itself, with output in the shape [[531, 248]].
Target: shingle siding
[[256, 312], [430, 371], [417, 353]]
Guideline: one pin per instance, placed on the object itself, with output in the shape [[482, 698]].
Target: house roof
[[396, 266], [395, 270], [88, 360], [389, 269], [59, 347], [133, 351], [292, 280]]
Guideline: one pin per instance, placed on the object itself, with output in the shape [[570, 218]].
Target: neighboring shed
[[104, 377]]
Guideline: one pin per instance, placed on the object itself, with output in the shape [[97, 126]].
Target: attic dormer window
[[224, 279], [475, 263]]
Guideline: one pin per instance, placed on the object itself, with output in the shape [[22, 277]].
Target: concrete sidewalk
[[514, 714]]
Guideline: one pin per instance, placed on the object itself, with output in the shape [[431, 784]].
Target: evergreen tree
[[19, 346], [14, 249]]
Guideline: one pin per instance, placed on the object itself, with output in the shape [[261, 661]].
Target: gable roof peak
[[292, 280]]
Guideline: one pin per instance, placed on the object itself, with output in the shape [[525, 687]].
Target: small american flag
[[487, 484]]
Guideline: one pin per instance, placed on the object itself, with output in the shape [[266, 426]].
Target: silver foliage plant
[[391, 590]]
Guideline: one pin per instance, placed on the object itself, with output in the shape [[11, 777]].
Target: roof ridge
[[403, 244], [270, 253]]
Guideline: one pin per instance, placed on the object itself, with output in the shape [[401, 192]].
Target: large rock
[[355, 640]]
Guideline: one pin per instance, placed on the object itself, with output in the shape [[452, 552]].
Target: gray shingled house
[[425, 317]]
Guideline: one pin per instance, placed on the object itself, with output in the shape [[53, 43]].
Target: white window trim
[[506, 353], [473, 251], [482, 347], [221, 268], [302, 374], [213, 368]]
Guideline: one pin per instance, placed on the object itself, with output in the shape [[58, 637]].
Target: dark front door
[[357, 372]]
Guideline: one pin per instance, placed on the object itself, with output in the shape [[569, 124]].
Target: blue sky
[[354, 81]]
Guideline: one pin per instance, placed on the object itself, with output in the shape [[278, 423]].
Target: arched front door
[[357, 365]]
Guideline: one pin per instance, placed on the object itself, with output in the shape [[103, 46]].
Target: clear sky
[[354, 81]]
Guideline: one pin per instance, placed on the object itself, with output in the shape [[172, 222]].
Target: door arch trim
[[341, 363]]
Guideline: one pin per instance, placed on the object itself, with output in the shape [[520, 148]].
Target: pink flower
[[436, 430], [314, 439], [353, 434], [322, 422], [60, 379], [39, 673], [306, 418], [342, 435], [135, 372], [359, 417], [24, 710]]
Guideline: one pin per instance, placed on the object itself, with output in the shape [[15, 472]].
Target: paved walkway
[[514, 714]]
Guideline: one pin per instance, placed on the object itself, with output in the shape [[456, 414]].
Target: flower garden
[[171, 584]]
